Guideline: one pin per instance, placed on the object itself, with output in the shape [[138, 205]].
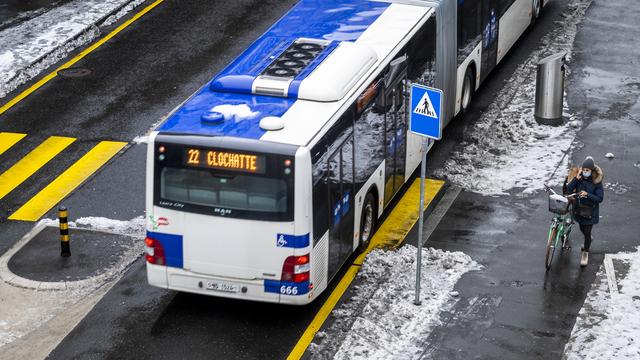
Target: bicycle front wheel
[[551, 246]]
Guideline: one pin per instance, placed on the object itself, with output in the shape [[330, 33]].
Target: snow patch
[[506, 150], [134, 228], [381, 321], [34, 45], [236, 112], [608, 325], [617, 187], [141, 140]]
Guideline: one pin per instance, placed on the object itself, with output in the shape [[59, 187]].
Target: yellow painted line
[[31, 163], [7, 140], [62, 186], [390, 234], [79, 57]]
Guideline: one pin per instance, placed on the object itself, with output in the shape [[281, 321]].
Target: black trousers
[[586, 231]]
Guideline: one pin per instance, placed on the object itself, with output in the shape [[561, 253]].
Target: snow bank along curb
[[125, 228], [506, 150], [380, 321], [608, 325], [34, 45]]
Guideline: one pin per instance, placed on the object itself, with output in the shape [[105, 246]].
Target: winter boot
[[584, 258]]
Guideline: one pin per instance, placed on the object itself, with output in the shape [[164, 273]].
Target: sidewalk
[[32, 46], [607, 90]]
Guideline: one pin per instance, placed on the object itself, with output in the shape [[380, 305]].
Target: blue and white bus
[[263, 183]]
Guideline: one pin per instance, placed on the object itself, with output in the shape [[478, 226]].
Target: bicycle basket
[[558, 204]]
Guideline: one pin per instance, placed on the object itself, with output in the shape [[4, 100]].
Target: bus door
[[489, 37], [395, 126], [341, 194]]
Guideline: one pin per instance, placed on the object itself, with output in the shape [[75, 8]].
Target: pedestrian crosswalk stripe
[[7, 140], [73, 177], [31, 163]]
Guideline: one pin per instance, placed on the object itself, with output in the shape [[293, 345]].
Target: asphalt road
[[135, 79]]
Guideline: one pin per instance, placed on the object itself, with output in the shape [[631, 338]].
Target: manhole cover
[[74, 72]]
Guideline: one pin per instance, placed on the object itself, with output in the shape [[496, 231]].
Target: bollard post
[[63, 215]]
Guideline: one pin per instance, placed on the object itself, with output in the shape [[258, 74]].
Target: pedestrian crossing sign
[[426, 114]]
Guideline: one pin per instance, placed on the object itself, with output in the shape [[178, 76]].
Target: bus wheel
[[467, 90], [535, 13], [367, 222]]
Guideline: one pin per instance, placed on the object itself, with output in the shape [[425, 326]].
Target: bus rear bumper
[[187, 281]]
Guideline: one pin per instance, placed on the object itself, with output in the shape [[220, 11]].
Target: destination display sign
[[226, 160]]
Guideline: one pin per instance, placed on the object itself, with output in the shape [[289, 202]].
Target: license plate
[[224, 287]]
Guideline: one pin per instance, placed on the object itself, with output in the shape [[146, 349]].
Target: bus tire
[[468, 88], [367, 221], [535, 12]]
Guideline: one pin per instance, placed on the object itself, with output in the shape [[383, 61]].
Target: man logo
[[281, 241]]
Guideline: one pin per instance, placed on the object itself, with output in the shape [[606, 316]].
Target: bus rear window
[[224, 182], [235, 192]]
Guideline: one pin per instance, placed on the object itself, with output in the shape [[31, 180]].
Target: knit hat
[[588, 163]]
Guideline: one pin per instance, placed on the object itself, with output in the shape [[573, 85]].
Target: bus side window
[[320, 193], [469, 28], [504, 6], [422, 54], [369, 127]]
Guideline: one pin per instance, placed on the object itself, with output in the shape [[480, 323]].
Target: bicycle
[[560, 224]]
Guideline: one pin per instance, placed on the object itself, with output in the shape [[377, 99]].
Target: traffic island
[[91, 254], [96, 257]]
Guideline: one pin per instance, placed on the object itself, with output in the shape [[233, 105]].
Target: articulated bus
[[265, 181]]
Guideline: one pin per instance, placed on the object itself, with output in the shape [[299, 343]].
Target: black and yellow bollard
[[64, 232]]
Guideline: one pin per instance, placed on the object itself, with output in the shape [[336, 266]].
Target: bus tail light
[[154, 252], [296, 269]]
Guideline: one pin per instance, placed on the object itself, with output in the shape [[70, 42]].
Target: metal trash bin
[[550, 89]]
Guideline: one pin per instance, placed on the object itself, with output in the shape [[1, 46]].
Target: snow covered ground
[[506, 151], [381, 321], [32, 46], [608, 325]]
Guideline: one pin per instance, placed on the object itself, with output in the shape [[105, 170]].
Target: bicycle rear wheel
[[551, 246]]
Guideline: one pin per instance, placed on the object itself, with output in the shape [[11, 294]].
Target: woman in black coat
[[586, 211]]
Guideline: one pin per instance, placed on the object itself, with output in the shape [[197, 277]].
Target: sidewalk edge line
[[611, 275]]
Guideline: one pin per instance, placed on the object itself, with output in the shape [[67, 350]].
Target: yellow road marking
[[390, 234], [62, 186], [79, 57], [31, 163], [7, 140]]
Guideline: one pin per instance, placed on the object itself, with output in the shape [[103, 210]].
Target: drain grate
[[75, 72]]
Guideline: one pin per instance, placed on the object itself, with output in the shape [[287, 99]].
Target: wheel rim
[[367, 224], [551, 249], [536, 8], [466, 96]]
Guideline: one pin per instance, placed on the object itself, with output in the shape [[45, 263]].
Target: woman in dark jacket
[[586, 211]]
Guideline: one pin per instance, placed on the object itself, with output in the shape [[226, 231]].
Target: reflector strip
[[40, 204], [29, 164], [7, 140]]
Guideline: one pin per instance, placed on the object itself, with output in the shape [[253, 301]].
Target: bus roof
[[346, 39]]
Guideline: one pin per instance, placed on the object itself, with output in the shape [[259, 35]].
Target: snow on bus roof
[[374, 24]]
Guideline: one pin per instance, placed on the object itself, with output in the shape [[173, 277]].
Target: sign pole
[[423, 174], [425, 121]]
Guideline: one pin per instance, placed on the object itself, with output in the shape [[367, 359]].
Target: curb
[[10, 278]]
